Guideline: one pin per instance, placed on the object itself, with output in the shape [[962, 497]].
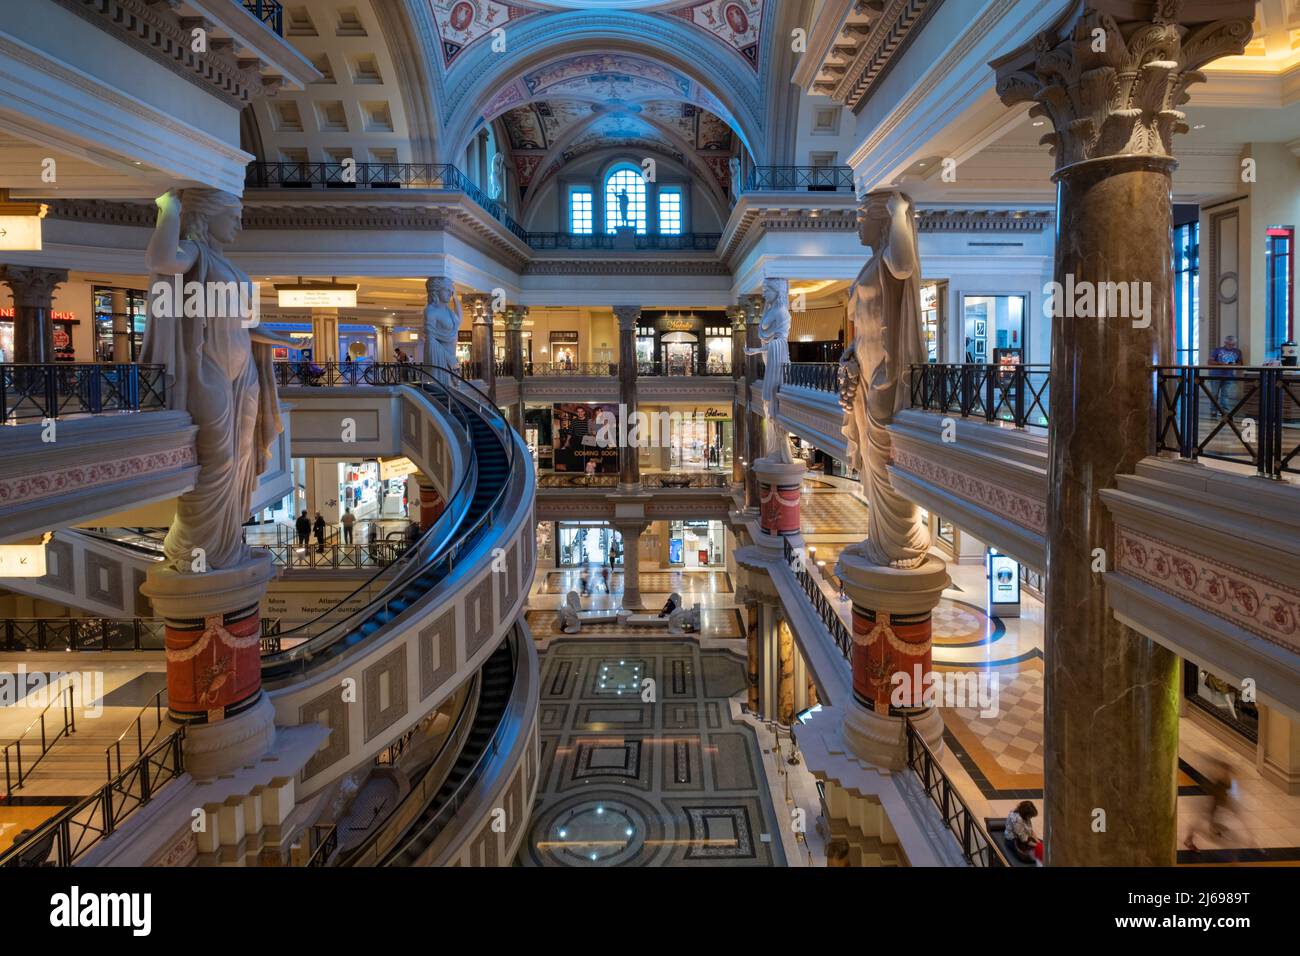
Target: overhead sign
[[22, 560], [396, 468], [20, 233], [317, 295]]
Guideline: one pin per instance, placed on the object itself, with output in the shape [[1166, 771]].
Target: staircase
[[494, 696]]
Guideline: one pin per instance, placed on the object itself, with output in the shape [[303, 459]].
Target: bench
[[997, 830]]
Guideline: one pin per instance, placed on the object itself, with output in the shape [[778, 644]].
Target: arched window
[[625, 182]]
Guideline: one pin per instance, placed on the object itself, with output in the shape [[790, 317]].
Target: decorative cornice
[[1111, 82], [984, 220], [155, 30], [106, 212], [902, 20], [1024, 510], [608, 267]]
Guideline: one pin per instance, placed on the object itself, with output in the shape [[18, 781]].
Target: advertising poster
[[574, 438]]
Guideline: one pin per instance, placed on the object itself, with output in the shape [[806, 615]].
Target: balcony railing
[[977, 846], [687, 241], [814, 179], [1017, 394], [1249, 416], [261, 175], [598, 369], [318, 374], [658, 368], [821, 376], [270, 12], [798, 563], [66, 837], [81, 634], [57, 390]]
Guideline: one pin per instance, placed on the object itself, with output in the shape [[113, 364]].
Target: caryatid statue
[[219, 370], [885, 308], [442, 318], [774, 333]]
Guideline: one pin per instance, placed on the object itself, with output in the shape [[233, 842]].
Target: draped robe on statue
[[219, 373], [888, 340]]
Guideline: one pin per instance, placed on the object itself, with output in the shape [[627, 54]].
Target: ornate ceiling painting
[[735, 23], [461, 23]]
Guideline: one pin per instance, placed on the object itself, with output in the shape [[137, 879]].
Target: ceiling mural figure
[[461, 23], [735, 23]]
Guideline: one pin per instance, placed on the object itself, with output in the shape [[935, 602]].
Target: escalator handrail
[[304, 653], [404, 567], [473, 775]]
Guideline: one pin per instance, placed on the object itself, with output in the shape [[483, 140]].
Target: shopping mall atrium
[[645, 433]]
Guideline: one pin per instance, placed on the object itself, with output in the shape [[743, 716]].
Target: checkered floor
[[1014, 738], [833, 514], [954, 623]]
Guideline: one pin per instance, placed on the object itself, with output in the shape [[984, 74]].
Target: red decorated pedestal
[[779, 488]]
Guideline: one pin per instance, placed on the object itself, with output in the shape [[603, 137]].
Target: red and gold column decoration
[[891, 660], [214, 664]]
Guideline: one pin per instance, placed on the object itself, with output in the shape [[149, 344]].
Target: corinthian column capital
[[478, 305], [628, 317], [33, 286], [1112, 75]]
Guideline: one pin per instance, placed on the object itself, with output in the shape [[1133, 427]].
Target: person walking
[[303, 527], [319, 527], [348, 521]]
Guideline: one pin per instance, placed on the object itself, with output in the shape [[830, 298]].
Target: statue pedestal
[[214, 662], [779, 487], [891, 657]]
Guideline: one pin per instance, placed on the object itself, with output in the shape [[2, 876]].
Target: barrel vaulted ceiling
[[414, 80]]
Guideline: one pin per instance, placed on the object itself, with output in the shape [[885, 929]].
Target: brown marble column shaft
[[1111, 721], [515, 316], [752, 649], [754, 420], [739, 450], [629, 459], [479, 307], [33, 290], [785, 685]]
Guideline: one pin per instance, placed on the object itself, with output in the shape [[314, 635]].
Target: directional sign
[[22, 560]]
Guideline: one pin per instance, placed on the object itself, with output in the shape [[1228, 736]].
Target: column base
[[222, 747], [881, 739]]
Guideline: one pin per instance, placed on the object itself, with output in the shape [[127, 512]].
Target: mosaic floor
[[671, 782], [597, 581], [833, 513]]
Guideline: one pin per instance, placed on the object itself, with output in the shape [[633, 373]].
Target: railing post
[[1018, 380], [1270, 423], [51, 390], [990, 393], [1191, 413]]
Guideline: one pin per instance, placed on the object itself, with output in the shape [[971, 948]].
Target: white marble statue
[[733, 167], [442, 318], [218, 369], [885, 307], [774, 333], [566, 617], [684, 620]]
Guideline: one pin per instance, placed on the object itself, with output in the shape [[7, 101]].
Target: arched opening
[[625, 199]]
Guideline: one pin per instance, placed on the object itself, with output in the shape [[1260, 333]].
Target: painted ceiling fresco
[[737, 24]]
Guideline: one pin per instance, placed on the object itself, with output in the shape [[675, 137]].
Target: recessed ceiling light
[[1199, 126], [1039, 123]]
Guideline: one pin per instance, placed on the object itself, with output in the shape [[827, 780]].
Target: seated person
[[1020, 831], [674, 602]]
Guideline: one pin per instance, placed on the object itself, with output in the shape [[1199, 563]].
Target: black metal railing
[[336, 557], [798, 563], [65, 837], [49, 727], [260, 175], [56, 390], [681, 242], [821, 376], [81, 634], [658, 367], [978, 848], [349, 373], [324, 841], [270, 12], [1250, 416], [816, 179], [597, 369], [707, 479], [1017, 394], [136, 730]]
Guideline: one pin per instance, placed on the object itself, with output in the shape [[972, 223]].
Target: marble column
[[629, 471], [752, 651], [631, 562], [431, 503], [384, 344], [479, 307], [33, 290], [739, 452], [121, 326], [515, 316], [324, 336], [785, 674], [1111, 722], [754, 446]]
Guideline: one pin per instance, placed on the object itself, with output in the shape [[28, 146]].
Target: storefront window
[[696, 544], [699, 442], [930, 321], [1221, 700], [119, 313], [679, 350], [585, 543], [717, 346], [1187, 292], [993, 327]]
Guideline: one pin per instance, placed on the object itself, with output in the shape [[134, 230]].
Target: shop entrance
[[586, 543], [679, 353], [696, 544]]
